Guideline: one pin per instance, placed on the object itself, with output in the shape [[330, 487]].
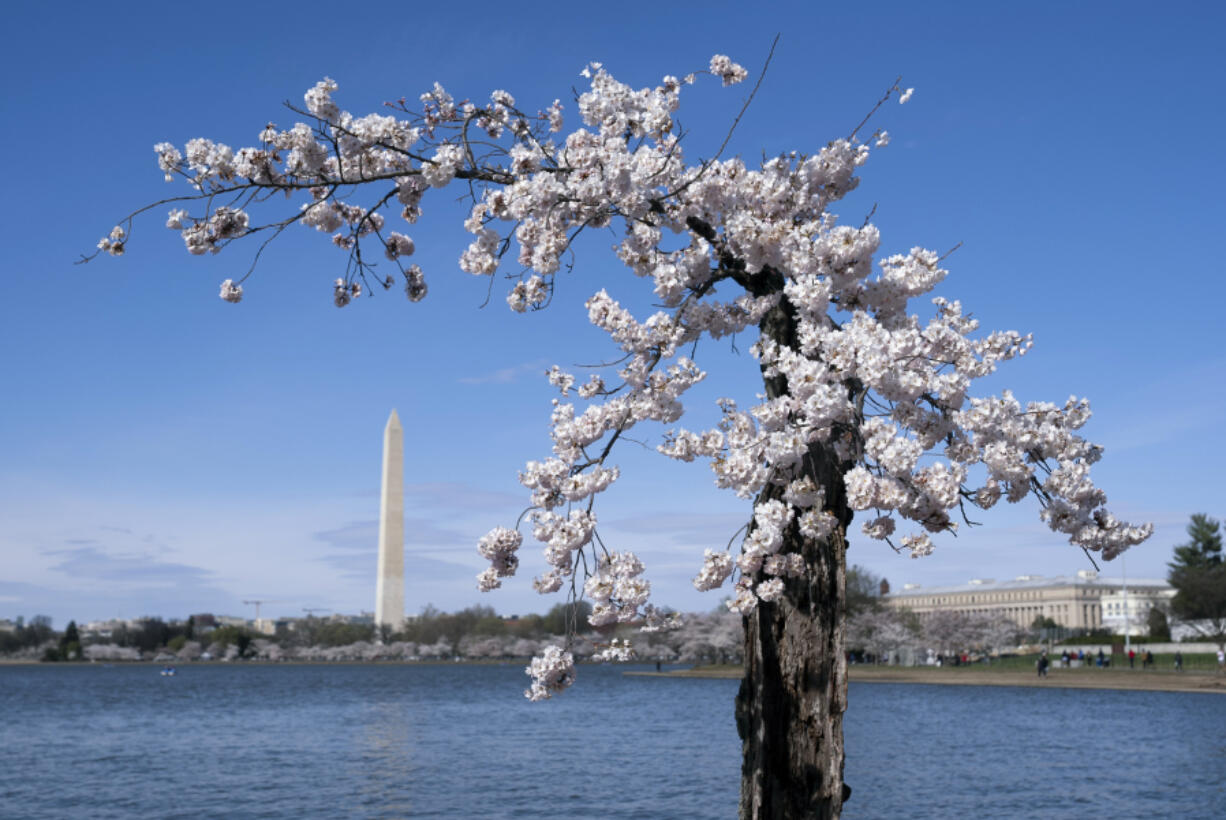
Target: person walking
[[1042, 664], [1132, 658], [1178, 661]]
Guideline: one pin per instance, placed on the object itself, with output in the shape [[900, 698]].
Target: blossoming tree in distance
[[865, 407]]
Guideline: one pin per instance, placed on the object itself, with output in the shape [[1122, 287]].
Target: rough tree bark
[[789, 709]]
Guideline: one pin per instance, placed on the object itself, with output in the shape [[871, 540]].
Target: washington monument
[[389, 589]]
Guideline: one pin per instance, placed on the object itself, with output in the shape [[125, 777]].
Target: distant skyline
[[162, 452]]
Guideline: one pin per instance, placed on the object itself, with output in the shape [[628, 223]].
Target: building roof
[[1084, 578]]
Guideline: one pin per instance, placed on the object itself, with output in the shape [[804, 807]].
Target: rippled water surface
[[1006, 752], [455, 741]]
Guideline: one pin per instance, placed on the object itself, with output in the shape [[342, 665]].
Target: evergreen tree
[[1204, 548], [71, 634], [1159, 629], [70, 642], [1198, 575], [863, 589]]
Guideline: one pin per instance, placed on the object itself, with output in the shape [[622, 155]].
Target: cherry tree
[[710, 638], [882, 630], [948, 631], [866, 404], [997, 632]]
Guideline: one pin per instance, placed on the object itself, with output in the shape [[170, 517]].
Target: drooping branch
[[848, 368]]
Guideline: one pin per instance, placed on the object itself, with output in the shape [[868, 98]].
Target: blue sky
[[162, 452]]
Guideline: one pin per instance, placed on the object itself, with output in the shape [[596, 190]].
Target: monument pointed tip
[[393, 418]]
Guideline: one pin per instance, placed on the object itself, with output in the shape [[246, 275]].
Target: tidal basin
[[460, 741]]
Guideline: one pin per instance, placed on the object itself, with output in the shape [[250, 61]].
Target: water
[[1014, 752], [455, 741]]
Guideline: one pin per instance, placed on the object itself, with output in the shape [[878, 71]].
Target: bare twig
[[708, 163], [889, 93]]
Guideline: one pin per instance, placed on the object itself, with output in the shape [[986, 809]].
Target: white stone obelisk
[[389, 588]]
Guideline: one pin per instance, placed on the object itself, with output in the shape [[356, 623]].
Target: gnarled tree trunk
[[789, 710]]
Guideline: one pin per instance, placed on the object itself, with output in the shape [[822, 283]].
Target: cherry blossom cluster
[[563, 537], [231, 292], [617, 650], [716, 567], [498, 547], [552, 672], [862, 365], [113, 242], [659, 620], [761, 555], [616, 590]]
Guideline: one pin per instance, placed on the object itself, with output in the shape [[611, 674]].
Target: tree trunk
[[789, 710]]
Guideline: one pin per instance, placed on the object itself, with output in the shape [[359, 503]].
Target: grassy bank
[[1020, 673], [1091, 678], [1163, 663]]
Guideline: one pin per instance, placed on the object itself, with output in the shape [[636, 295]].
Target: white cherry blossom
[[863, 367]]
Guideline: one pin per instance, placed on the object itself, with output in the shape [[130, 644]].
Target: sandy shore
[[1057, 678]]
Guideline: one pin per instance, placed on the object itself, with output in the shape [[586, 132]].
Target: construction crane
[[311, 610], [257, 602]]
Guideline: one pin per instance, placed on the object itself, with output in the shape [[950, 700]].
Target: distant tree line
[[1197, 573], [474, 632], [27, 636]]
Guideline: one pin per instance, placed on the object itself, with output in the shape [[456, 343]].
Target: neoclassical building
[[1083, 601]]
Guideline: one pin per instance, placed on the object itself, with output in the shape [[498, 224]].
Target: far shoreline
[[1117, 680]]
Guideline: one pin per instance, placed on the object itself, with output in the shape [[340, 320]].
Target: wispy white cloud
[[432, 550], [1196, 400], [456, 496], [683, 529], [91, 580], [420, 533], [453, 496], [1168, 424], [361, 567], [356, 535], [114, 599], [95, 563], [506, 375]]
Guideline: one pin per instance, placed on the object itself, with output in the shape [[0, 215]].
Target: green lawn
[[1163, 663]]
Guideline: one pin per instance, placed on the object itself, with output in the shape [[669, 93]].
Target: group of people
[[1068, 656], [1147, 660], [957, 659], [1101, 661]]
